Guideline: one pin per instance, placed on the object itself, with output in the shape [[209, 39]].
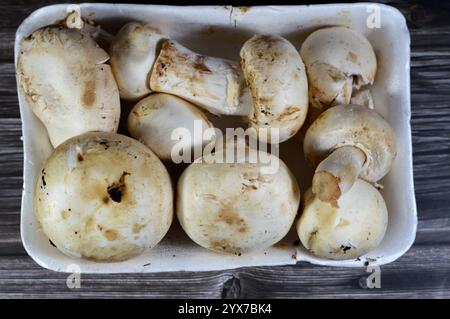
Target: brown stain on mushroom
[[117, 189], [138, 227], [352, 57], [199, 64], [191, 78], [89, 95], [290, 113], [229, 215], [89, 224], [111, 234], [64, 215], [225, 245]]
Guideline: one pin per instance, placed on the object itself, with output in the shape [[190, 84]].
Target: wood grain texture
[[423, 272]]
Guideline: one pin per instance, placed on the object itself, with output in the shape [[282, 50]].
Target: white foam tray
[[221, 31]]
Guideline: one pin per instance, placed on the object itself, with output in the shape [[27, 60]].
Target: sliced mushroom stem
[[336, 174], [211, 83]]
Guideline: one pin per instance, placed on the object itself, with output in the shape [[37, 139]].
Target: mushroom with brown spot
[[236, 207], [64, 79], [275, 75], [346, 142], [95, 208], [215, 84], [353, 229]]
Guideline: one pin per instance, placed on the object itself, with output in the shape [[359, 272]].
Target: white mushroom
[[347, 141], [104, 197], [65, 81], [133, 53], [338, 60], [212, 83], [160, 117], [276, 76], [354, 228], [236, 207]]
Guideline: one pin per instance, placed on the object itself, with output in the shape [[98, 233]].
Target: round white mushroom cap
[[275, 74], [133, 52], [353, 125], [236, 207], [166, 123], [337, 60], [104, 197], [354, 228], [65, 81]]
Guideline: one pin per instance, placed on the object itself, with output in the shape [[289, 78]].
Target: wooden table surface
[[424, 271]]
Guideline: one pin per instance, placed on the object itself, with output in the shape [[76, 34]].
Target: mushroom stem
[[212, 83], [337, 173], [74, 20]]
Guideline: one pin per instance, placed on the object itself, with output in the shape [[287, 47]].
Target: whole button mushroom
[[215, 84], [236, 207], [338, 61], [104, 197], [66, 83], [133, 52], [354, 228], [346, 142], [275, 75], [160, 121]]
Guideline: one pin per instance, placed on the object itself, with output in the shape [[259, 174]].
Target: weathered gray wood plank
[[409, 277]]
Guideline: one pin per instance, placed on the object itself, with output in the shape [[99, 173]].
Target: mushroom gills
[[339, 62]]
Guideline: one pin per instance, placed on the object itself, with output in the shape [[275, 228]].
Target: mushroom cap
[[235, 208], [133, 52], [333, 56], [65, 82], [353, 125], [155, 118], [354, 228], [275, 74], [104, 197]]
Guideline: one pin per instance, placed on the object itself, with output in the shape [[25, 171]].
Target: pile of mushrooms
[[108, 197]]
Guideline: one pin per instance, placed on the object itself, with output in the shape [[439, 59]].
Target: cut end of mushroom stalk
[[346, 142], [338, 60], [348, 231], [275, 74], [337, 173], [104, 197], [133, 53], [211, 83], [167, 124], [236, 207], [65, 81]]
